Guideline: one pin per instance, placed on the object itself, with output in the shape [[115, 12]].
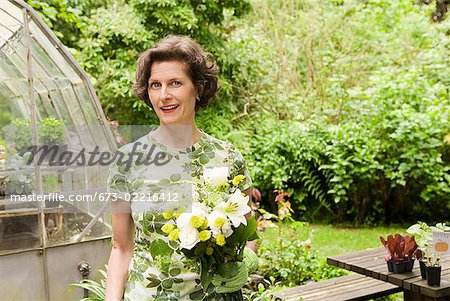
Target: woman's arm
[[121, 253], [247, 192]]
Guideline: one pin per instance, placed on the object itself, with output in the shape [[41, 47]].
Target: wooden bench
[[351, 287]]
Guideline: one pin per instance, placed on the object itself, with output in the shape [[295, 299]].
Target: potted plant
[[22, 182], [52, 133], [424, 235], [433, 270], [400, 252], [20, 133]]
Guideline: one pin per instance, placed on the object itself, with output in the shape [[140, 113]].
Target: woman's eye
[[155, 85], [176, 83]]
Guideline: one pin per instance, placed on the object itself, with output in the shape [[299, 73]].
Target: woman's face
[[172, 93]]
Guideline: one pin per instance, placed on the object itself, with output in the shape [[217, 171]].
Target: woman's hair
[[200, 66]]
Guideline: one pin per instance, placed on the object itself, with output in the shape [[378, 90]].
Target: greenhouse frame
[[47, 240]]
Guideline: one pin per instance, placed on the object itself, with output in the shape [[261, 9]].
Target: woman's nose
[[164, 92]]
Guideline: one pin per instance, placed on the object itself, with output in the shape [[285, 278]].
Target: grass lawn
[[332, 240]]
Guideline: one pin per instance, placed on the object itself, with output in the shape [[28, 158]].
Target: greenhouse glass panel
[[45, 107], [48, 113], [15, 65], [63, 64], [43, 60], [12, 10]]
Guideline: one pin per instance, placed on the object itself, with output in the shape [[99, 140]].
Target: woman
[[175, 78]]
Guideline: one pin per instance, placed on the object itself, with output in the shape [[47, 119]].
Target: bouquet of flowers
[[215, 232]]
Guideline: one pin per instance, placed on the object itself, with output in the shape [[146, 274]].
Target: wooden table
[[371, 263]]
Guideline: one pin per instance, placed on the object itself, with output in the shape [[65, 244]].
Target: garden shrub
[[366, 172], [291, 261], [287, 155]]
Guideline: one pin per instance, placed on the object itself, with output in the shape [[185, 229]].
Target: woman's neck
[[178, 135]]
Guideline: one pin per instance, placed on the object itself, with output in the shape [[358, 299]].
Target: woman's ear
[[200, 89]]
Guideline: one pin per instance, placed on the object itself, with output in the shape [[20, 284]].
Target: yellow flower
[[167, 214], [205, 225], [209, 250], [167, 228], [219, 222], [238, 179], [224, 184], [197, 221], [204, 235], [220, 240], [174, 235], [176, 214]]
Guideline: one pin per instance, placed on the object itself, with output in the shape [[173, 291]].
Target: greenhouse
[[47, 241]]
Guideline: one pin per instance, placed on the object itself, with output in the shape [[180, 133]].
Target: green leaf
[[164, 182], [160, 248], [200, 249], [175, 177], [167, 283], [244, 233], [204, 159], [228, 269], [154, 281], [198, 295], [175, 272]]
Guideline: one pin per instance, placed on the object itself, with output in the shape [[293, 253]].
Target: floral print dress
[[157, 271]]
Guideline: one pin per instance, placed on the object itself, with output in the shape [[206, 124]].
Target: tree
[[107, 36]]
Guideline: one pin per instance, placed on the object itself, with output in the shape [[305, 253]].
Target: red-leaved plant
[[399, 248]]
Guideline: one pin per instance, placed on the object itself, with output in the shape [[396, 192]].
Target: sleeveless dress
[[157, 271]]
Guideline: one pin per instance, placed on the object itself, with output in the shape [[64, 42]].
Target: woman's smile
[[169, 109]]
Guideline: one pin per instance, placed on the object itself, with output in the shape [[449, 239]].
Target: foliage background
[[343, 103]]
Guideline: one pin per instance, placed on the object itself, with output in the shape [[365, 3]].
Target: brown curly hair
[[200, 65]]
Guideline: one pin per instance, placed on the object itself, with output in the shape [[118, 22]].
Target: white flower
[[226, 229], [197, 209], [216, 176], [184, 220], [235, 208], [188, 237], [219, 224], [188, 234]]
